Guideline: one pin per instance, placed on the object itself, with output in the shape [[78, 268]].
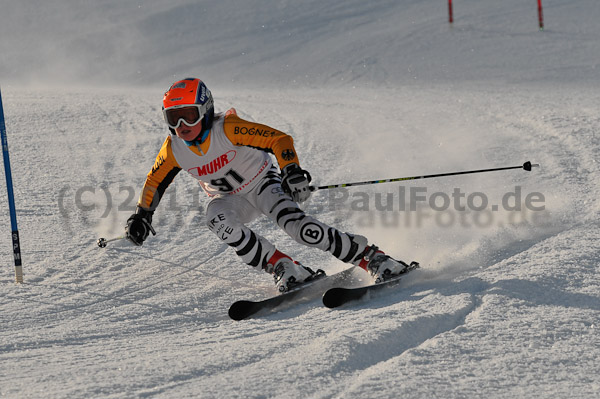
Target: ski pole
[[103, 241], [527, 166], [11, 199]]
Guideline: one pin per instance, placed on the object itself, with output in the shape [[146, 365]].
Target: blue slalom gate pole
[[11, 198]]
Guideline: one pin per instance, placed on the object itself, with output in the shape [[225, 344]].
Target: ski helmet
[[190, 101]]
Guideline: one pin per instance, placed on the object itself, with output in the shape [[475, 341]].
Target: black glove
[[294, 181], [139, 225]]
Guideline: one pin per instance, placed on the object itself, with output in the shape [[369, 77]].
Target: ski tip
[[240, 310], [333, 298]]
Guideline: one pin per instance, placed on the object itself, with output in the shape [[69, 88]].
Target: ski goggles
[[191, 115]]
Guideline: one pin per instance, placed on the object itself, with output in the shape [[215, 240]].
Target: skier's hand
[[139, 225], [294, 181]]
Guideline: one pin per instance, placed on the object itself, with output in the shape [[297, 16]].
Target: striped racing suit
[[234, 168]]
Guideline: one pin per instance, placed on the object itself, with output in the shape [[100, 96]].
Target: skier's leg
[[270, 199], [225, 216]]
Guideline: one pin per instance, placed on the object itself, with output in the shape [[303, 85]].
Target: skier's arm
[[162, 174], [139, 225], [243, 133]]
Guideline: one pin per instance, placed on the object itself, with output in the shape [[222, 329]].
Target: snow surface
[[507, 303]]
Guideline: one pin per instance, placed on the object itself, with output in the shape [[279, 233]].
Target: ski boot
[[287, 273], [381, 266]]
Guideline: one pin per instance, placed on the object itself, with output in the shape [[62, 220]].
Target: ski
[[338, 296], [303, 293]]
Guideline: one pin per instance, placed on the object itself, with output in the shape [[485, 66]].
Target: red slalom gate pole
[[540, 15], [450, 16]]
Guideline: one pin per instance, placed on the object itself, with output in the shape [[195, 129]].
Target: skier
[[230, 158]]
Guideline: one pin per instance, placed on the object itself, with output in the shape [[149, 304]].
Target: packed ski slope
[[507, 302]]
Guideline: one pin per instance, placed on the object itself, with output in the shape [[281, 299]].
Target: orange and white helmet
[[188, 101]]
